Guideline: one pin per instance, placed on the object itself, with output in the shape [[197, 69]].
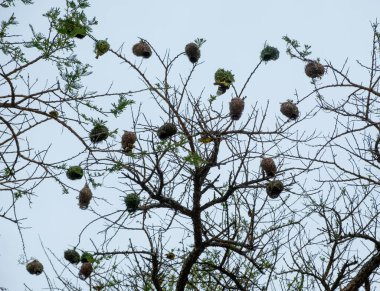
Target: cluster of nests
[[35, 267], [85, 195], [73, 257], [288, 108], [143, 49], [223, 79], [274, 187], [99, 133]]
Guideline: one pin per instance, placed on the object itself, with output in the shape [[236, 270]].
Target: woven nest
[[167, 130], [85, 271], [290, 110], [35, 267], [72, 256], [132, 201], [101, 47], [86, 258], [274, 188], [193, 52], [269, 166], [127, 141], [236, 108], [170, 256], [99, 133], [85, 196], [269, 53], [74, 173], [142, 49], [314, 69], [54, 114]]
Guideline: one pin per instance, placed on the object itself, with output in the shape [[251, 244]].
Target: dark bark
[[362, 276]]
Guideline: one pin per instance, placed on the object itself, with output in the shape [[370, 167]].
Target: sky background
[[235, 32]]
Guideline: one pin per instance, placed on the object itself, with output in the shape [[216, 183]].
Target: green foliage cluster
[[9, 3], [293, 45], [194, 159], [121, 105]]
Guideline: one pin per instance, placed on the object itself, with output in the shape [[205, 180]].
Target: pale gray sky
[[235, 32]]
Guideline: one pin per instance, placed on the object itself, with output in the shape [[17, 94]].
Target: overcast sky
[[235, 32]]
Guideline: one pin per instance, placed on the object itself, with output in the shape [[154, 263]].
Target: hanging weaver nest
[[99, 133], [167, 130], [35, 267], [269, 166], [142, 49], [87, 258], [85, 196], [236, 108], [54, 114], [274, 188], [127, 141], [193, 52], [289, 109], [74, 173], [223, 79], [314, 69], [170, 256], [101, 47], [132, 201], [269, 53], [72, 256], [85, 271]]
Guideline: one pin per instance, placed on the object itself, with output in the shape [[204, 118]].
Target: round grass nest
[[314, 69], [236, 108], [72, 256], [274, 188], [99, 133], [269, 53], [85, 196], [128, 140], [132, 201], [290, 110], [142, 49], [85, 271], [193, 52], [101, 47], [74, 173], [167, 130], [35, 267], [269, 166]]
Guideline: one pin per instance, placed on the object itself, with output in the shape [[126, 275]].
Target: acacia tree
[[213, 197]]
